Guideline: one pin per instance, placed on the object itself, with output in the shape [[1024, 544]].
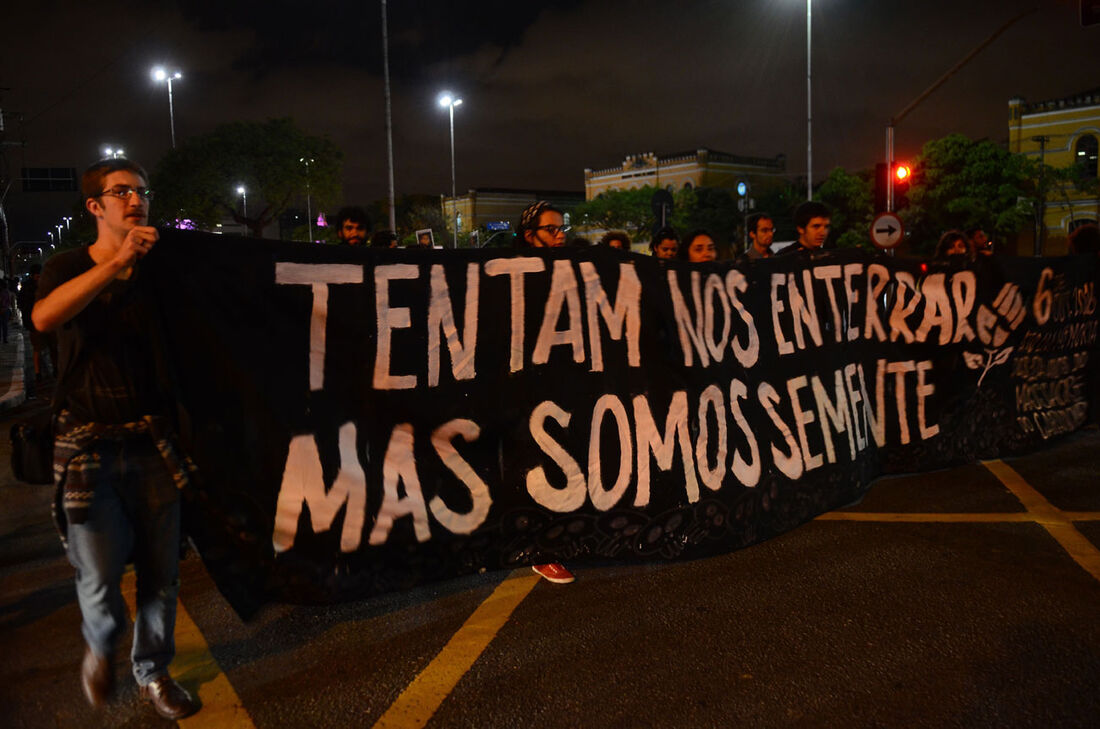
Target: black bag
[[32, 449]]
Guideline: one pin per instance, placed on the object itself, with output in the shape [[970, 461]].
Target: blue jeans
[[134, 516]]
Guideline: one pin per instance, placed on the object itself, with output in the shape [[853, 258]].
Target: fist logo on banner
[[994, 327]]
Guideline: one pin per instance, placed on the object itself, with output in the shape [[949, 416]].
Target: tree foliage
[[712, 209], [411, 213], [959, 183], [627, 210], [709, 208], [850, 198], [198, 180]]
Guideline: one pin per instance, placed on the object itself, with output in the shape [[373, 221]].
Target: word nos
[[837, 404], [580, 295], [706, 329]]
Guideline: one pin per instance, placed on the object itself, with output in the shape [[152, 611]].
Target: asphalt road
[[961, 598]]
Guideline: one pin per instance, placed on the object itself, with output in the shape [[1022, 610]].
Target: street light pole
[[309, 202], [159, 74], [389, 119], [244, 202], [809, 110], [896, 119], [450, 102]]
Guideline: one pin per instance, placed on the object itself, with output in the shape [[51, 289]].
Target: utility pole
[[389, 119], [1041, 218], [939, 82]]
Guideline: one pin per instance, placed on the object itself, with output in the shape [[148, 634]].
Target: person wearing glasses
[[541, 226], [761, 233], [117, 467]]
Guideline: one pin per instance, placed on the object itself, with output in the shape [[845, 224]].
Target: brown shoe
[[97, 676], [169, 698]]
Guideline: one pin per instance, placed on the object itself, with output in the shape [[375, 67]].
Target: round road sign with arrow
[[887, 230]]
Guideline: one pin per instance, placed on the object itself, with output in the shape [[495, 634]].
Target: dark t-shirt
[[107, 359]]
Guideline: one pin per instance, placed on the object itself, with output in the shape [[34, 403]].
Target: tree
[[629, 210], [712, 209], [959, 183], [850, 198], [1065, 181], [198, 180]]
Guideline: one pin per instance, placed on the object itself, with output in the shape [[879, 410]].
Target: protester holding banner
[[384, 239], [1086, 239], [541, 226], [698, 247], [980, 244], [352, 225], [761, 232], [116, 463], [665, 244], [811, 220], [616, 239], [953, 246]]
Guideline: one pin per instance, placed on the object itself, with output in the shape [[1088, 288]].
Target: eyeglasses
[[123, 193], [555, 229]]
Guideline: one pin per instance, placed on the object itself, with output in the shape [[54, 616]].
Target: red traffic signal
[[901, 172]]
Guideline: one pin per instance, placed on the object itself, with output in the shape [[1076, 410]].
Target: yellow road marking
[[421, 698], [195, 666], [1052, 519]]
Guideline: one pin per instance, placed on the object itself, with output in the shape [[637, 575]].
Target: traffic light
[[901, 172], [902, 175]]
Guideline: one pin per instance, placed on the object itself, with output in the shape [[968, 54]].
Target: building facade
[[484, 211], [701, 168], [1060, 133]]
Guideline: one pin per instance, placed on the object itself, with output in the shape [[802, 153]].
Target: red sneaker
[[553, 572]]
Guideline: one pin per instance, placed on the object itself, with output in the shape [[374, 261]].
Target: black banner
[[364, 420]]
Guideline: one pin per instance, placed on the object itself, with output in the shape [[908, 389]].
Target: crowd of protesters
[[543, 225], [116, 454]]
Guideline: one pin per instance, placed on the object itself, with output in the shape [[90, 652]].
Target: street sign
[[661, 203], [498, 225], [887, 230]]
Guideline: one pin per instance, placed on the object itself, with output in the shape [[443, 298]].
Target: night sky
[[549, 88]]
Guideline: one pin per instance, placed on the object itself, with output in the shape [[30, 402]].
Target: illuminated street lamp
[[50, 234], [244, 201], [68, 219], [58, 227], [113, 153], [446, 99], [160, 75]]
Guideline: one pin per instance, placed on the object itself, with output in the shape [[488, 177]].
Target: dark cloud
[[290, 34], [549, 87]]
